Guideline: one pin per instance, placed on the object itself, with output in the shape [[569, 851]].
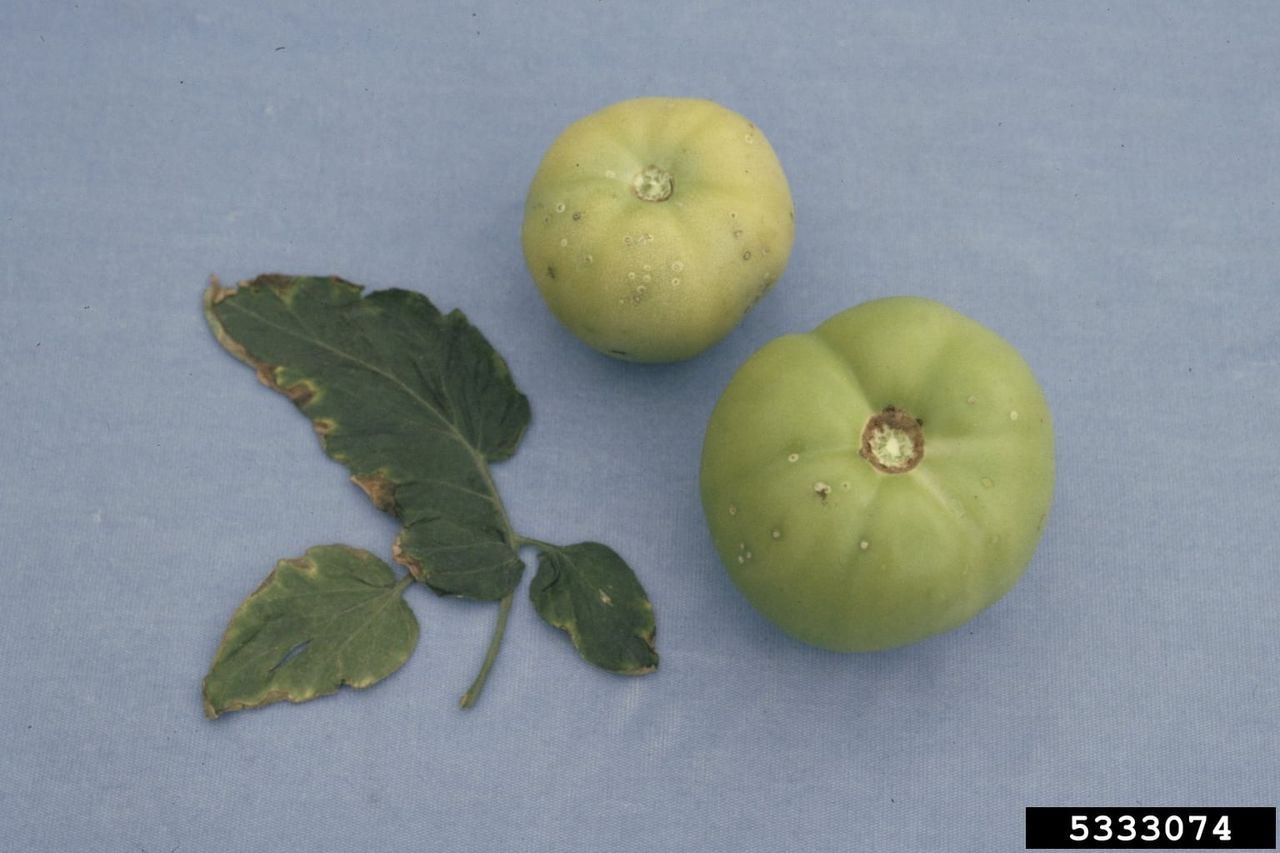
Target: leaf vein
[[359, 362]]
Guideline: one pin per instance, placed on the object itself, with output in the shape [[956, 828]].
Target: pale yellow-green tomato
[[654, 225], [881, 479]]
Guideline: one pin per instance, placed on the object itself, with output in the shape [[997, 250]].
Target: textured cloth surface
[[1099, 183]]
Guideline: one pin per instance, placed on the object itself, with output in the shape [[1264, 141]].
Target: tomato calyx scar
[[653, 183], [892, 441]]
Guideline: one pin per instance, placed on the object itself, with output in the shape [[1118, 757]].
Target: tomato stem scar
[[653, 184], [892, 441]]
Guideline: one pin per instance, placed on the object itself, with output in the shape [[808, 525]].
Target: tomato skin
[[654, 225], [839, 553]]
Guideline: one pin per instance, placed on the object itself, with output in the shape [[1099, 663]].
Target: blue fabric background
[[1098, 182]]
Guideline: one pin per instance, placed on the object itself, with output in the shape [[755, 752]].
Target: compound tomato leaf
[[590, 592], [415, 403], [334, 616]]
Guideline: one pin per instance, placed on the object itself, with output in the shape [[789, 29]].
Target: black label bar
[[1146, 828]]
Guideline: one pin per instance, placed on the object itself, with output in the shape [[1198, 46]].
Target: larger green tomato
[[653, 226], [881, 479]]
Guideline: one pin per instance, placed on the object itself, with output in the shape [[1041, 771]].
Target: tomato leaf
[[591, 593], [355, 629], [414, 402]]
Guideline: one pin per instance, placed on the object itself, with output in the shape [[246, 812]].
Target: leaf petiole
[[473, 692]]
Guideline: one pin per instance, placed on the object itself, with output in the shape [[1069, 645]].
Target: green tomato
[[881, 479], [653, 226]]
